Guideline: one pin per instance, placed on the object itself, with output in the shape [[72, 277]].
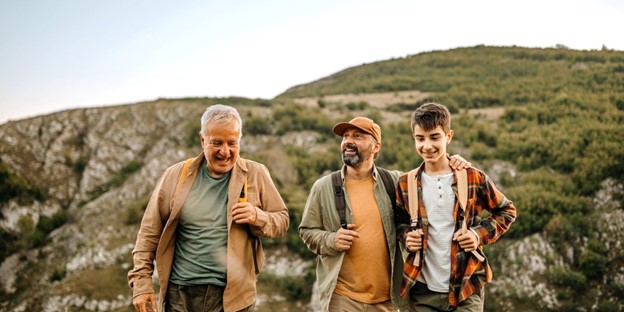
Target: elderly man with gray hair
[[202, 226]]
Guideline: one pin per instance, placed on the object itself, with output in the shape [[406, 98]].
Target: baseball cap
[[364, 124]]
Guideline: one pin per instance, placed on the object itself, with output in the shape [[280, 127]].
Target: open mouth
[[350, 151]]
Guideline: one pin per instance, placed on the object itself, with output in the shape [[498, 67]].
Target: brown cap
[[362, 123]]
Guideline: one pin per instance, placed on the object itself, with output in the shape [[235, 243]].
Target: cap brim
[[339, 129]]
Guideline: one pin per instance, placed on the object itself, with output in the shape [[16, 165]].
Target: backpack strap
[[389, 185], [183, 176], [462, 192], [339, 198], [254, 240], [412, 194]]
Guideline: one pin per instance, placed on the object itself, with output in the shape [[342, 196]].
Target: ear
[[201, 137], [449, 136], [377, 147]]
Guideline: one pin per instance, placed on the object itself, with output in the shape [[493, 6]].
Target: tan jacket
[[156, 237]]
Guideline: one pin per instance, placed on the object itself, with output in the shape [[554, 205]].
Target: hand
[[344, 238], [244, 213], [458, 163], [140, 303], [413, 240], [467, 241]]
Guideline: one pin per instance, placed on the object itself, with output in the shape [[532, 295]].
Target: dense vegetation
[[562, 130]]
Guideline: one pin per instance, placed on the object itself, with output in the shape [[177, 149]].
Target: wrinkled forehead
[[223, 128]]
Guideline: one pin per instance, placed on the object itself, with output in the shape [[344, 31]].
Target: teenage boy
[[446, 269]]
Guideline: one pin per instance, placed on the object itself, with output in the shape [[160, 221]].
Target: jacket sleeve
[[502, 211], [152, 224], [272, 216], [314, 234]]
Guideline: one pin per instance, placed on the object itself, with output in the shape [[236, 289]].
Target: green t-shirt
[[201, 241]]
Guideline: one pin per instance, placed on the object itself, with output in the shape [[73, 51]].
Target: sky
[[66, 54]]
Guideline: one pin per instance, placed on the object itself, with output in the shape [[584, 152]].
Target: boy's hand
[[413, 240], [467, 241], [458, 163], [344, 238]]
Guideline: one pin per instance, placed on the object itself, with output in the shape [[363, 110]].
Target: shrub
[[566, 278]]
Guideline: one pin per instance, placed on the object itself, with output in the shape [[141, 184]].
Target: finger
[[152, 302], [456, 235]]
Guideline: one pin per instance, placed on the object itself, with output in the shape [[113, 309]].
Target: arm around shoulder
[[503, 212]]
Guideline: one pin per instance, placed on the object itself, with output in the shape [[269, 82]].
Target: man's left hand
[[244, 213], [458, 163]]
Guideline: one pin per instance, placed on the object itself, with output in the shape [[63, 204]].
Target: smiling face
[[431, 145], [220, 143], [358, 147]]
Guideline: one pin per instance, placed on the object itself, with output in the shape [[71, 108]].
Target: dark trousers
[[423, 299], [197, 298]]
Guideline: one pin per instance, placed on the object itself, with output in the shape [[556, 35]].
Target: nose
[[427, 144], [347, 140], [224, 150]]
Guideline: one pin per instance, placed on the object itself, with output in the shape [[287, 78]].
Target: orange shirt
[[365, 272]]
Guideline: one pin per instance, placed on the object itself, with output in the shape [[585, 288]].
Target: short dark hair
[[431, 115]]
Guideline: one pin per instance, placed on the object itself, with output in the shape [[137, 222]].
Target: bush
[[566, 278], [593, 265]]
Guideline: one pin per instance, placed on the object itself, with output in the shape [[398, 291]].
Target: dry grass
[[379, 100]]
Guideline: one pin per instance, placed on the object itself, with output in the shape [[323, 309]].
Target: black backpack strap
[[400, 214], [388, 184], [339, 197]]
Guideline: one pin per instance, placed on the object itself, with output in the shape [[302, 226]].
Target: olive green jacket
[[319, 225]]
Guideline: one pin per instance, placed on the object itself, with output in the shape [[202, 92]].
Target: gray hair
[[217, 113]]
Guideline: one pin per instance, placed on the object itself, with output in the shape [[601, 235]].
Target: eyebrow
[[432, 135]]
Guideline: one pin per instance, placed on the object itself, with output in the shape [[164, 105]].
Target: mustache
[[351, 146]]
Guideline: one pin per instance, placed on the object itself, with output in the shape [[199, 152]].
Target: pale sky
[[62, 54]]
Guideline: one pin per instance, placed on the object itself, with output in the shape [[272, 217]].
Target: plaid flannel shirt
[[468, 274]]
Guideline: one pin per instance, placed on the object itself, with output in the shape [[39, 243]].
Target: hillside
[[547, 125]]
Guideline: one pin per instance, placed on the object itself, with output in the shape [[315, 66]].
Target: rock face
[[93, 165]]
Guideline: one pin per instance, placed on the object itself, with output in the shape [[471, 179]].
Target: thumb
[[350, 226], [456, 235]]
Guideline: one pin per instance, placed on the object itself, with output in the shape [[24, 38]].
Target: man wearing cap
[[358, 268]]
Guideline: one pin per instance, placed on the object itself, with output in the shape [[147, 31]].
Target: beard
[[352, 160]]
